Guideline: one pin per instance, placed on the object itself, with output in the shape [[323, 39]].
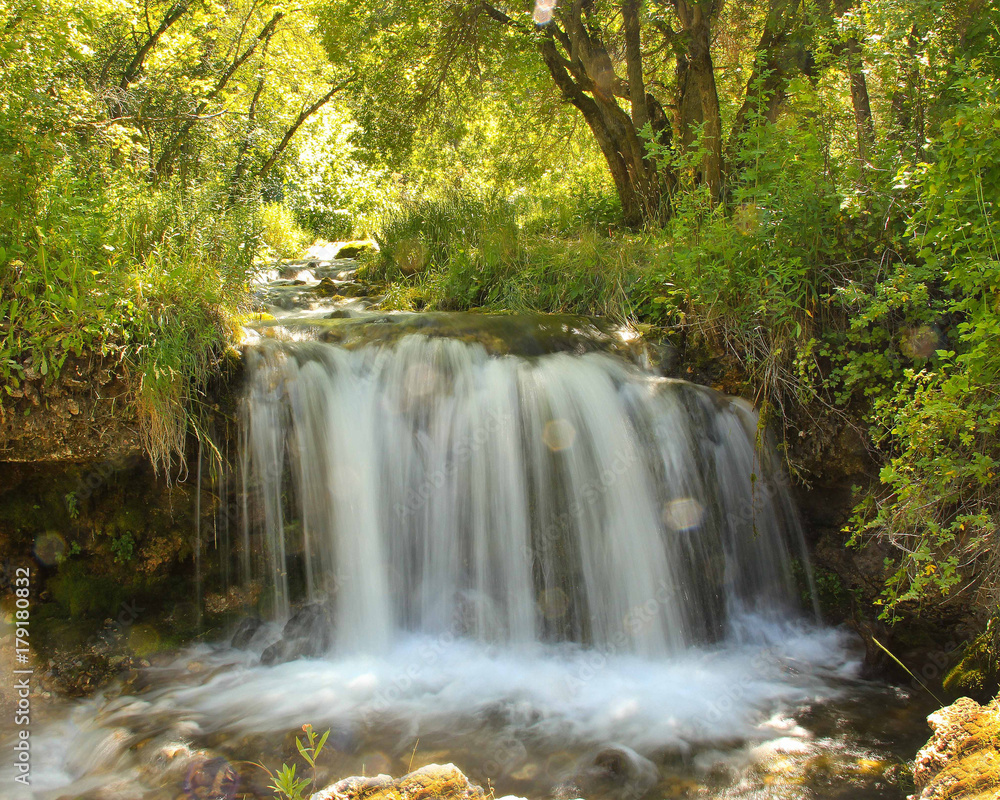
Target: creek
[[508, 543]]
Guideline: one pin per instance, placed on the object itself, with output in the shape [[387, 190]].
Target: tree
[[641, 75]]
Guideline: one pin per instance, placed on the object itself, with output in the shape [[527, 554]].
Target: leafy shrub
[[940, 422], [280, 233]]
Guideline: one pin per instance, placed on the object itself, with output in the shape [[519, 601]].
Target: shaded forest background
[[805, 191]]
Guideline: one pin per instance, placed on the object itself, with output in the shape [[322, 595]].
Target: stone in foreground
[[444, 781], [962, 759]]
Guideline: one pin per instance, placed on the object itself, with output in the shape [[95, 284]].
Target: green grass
[[154, 289]]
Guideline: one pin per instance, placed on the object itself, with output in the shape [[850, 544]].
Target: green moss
[[978, 673], [80, 593]]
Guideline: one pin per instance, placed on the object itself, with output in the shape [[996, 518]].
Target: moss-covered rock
[[978, 673], [962, 759]]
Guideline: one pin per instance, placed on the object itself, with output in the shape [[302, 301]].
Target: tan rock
[[437, 780], [961, 761], [444, 781], [380, 786]]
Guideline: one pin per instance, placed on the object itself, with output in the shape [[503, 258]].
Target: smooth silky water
[[524, 565]]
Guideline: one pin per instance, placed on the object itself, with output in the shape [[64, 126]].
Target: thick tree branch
[[302, 117], [765, 89], [170, 150], [633, 60], [174, 13]]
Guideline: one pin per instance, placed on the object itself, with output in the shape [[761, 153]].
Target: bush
[[280, 233], [940, 421]]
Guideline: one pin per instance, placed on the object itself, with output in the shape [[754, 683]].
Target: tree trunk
[[699, 97], [624, 159], [861, 101], [765, 90], [583, 71], [907, 103], [633, 58]]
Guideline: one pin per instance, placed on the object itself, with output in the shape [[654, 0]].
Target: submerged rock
[[613, 771], [962, 759], [444, 781], [245, 631]]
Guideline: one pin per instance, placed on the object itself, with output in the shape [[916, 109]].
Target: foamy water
[[515, 700], [513, 563]]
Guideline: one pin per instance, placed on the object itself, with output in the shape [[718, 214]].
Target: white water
[[563, 498], [445, 689]]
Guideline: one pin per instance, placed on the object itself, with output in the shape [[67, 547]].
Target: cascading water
[[430, 487], [513, 562]]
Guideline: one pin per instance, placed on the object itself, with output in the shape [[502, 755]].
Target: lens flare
[[683, 514], [921, 342], [559, 434], [543, 11], [553, 603], [50, 547]]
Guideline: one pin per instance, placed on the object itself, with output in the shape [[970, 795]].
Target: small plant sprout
[[285, 782]]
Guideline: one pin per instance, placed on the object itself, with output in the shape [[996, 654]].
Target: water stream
[[521, 563]]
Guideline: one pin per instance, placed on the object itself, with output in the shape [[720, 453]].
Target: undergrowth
[[155, 284]]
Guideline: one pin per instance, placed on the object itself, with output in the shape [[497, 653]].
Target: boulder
[[437, 780], [328, 287], [307, 634], [245, 631], [353, 249], [444, 781], [961, 761]]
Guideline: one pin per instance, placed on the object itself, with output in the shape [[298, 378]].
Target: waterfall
[[517, 563], [428, 486]]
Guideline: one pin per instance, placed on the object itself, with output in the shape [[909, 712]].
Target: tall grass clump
[[152, 282], [462, 251], [435, 233]]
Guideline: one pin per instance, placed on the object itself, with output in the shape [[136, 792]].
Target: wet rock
[[354, 289], [962, 759], [354, 249], [330, 288], [211, 779], [245, 631], [307, 634], [339, 314], [327, 287], [665, 357], [82, 670], [613, 771]]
